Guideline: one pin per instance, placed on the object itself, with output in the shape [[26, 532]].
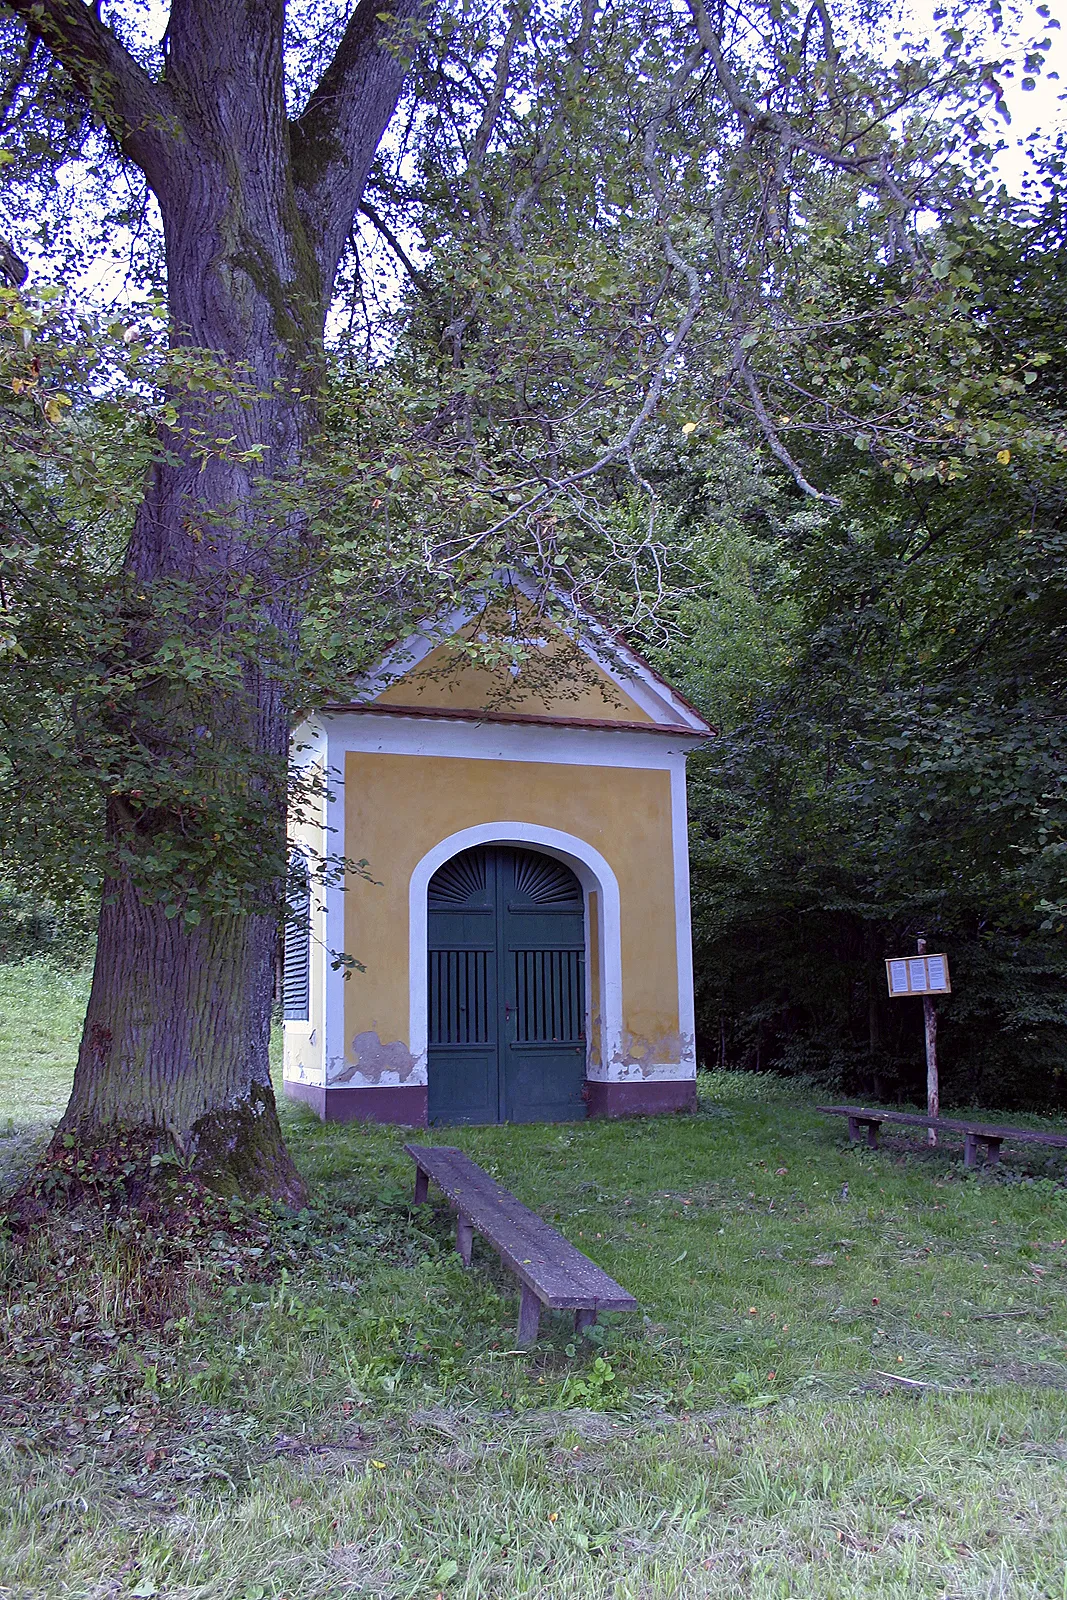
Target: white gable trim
[[621, 665], [409, 653]]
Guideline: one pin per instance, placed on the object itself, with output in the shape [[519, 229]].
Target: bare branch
[[500, 83], [491, 114], [774, 439], [419, 279], [139, 113]]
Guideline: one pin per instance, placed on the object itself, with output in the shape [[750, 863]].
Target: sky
[[1042, 109]]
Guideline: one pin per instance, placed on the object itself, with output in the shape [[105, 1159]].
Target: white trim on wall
[[334, 1059], [683, 917], [591, 870], [490, 741], [309, 748]]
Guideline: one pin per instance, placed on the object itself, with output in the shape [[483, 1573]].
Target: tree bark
[[255, 212], [175, 1046]]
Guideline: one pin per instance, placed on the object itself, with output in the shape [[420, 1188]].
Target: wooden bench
[[976, 1135], [551, 1271]]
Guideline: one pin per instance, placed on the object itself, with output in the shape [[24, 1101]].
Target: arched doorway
[[506, 988]]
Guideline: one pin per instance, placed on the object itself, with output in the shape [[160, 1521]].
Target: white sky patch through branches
[[106, 275]]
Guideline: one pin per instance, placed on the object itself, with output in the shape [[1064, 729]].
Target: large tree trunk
[[175, 1046], [255, 212]]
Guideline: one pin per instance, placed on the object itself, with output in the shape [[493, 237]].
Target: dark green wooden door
[[506, 989]]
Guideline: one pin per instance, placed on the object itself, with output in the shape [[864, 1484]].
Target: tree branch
[[336, 135], [13, 269], [380, 225], [493, 104], [17, 77], [138, 112], [539, 171]]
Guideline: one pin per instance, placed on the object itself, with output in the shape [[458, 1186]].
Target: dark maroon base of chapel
[[406, 1103], [640, 1099]]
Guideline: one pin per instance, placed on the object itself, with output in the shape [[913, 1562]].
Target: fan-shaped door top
[[461, 881], [532, 879]]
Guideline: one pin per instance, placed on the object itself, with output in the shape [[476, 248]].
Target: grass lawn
[[848, 1378], [41, 1011]]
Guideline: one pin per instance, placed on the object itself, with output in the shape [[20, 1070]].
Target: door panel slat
[[459, 985]]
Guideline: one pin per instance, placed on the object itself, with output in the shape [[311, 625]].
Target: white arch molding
[[592, 872]]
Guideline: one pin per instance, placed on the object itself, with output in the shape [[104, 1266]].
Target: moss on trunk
[[241, 1151]]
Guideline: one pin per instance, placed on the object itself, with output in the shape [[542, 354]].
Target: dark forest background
[[888, 681]]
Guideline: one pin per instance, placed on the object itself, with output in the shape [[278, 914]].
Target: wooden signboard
[[917, 975]]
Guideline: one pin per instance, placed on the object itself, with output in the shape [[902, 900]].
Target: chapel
[[521, 921]]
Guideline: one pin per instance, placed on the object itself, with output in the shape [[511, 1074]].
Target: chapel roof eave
[[547, 719]]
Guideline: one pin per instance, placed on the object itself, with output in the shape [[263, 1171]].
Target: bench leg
[[529, 1316], [857, 1129], [422, 1185], [970, 1149], [464, 1238], [583, 1319], [992, 1152]]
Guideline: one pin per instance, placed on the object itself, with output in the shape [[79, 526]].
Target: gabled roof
[[621, 692]]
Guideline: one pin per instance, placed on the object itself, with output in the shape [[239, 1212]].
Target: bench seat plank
[[556, 1271], [980, 1130]]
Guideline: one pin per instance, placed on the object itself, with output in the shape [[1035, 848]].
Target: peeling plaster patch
[[299, 1071], [644, 1058], [596, 1025], [376, 1063]]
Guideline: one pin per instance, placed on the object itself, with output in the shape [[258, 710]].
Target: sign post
[[924, 975], [933, 1093]]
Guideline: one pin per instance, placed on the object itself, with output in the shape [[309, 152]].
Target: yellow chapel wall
[[398, 807]]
